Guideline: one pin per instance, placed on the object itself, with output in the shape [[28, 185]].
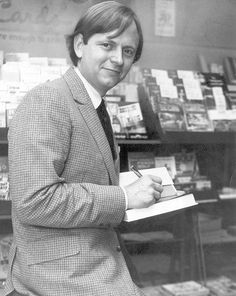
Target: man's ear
[[78, 45]]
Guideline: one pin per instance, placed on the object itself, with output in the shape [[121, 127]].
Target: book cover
[[5, 244], [186, 288], [168, 162], [171, 116], [222, 286], [141, 160], [131, 118], [230, 68], [126, 118], [230, 78], [4, 182], [231, 98], [149, 114], [153, 291], [4, 165], [186, 165], [161, 207], [227, 193], [224, 120], [196, 117], [163, 96], [213, 79], [2, 114], [214, 98]]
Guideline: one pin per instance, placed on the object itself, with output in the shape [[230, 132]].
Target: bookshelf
[[215, 151]]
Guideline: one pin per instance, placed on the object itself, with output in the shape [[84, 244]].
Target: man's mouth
[[112, 70]]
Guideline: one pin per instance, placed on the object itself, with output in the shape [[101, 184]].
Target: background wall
[[201, 27], [206, 27]]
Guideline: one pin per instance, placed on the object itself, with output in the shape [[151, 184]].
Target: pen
[[136, 171]]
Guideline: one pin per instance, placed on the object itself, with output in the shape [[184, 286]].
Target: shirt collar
[[93, 94]]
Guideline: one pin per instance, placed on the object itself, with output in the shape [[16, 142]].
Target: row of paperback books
[[188, 100], [179, 100]]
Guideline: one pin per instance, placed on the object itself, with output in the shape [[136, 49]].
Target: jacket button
[[118, 248]]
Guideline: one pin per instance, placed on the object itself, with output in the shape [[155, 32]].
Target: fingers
[[155, 179], [154, 186], [157, 195], [144, 192], [155, 191]]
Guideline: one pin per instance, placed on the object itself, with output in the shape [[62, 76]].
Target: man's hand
[[144, 192]]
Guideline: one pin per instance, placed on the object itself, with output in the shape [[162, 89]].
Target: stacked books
[[222, 286], [186, 289]]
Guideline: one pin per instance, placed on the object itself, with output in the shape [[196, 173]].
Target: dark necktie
[[106, 124]]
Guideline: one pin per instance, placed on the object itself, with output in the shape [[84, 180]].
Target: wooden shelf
[[167, 137], [138, 142], [199, 137], [185, 138]]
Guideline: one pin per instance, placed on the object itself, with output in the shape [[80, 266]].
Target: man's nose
[[117, 56]]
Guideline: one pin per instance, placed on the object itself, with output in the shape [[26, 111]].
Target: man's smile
[[117, 71]]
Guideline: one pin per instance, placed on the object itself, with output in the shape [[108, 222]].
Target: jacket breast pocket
[[49, 249]]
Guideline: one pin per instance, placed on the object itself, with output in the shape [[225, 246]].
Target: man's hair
[[105, 17]]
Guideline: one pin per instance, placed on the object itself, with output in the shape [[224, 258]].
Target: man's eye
[[129, 52], [106, 45]]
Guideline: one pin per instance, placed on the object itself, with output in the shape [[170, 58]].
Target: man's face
[[105, 59]]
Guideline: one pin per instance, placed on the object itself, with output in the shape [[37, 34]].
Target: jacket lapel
[[91, 118]]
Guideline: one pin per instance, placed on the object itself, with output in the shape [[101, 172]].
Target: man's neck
[[92, 92]]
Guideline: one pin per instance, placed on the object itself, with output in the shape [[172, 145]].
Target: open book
[[170, 201], [169, 190]]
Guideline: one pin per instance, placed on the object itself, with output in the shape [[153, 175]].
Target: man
[[66, 198]]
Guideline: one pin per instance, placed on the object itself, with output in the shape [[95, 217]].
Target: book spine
[[233, 65], [229, 74]]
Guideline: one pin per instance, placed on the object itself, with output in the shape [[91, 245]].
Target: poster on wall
[[38, 27], [165, 18], [46, 16]]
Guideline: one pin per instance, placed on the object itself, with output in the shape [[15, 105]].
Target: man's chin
[[111, 83]]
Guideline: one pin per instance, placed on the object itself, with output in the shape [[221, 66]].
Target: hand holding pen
[[145, 191]]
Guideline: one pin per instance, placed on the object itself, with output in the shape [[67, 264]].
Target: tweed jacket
[[65, 199]]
